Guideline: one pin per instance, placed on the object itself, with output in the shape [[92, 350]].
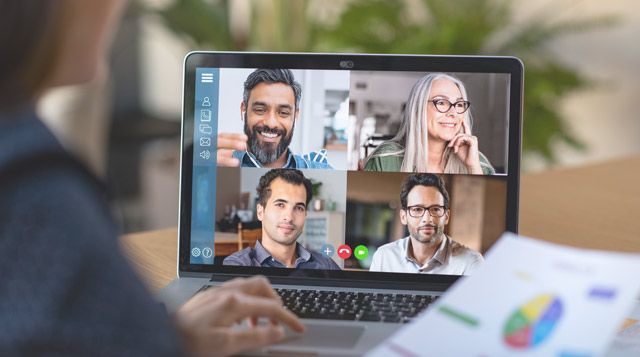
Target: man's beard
[[267, 152], [435, 237]]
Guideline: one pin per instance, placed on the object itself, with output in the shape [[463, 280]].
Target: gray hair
[[413, 136], [270, 76]]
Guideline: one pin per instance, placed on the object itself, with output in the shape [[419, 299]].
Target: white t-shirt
[[451, 258]]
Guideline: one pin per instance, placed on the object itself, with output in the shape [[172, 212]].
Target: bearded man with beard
[[270, 108], [427, 249]]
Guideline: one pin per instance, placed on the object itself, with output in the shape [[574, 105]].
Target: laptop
[[339, 198]]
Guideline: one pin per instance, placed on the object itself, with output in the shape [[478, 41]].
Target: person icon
[[206, 102]]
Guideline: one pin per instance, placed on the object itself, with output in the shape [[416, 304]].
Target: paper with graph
[[530, 298]]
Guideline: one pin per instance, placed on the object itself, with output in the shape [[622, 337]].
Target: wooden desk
[[595, 206], [154, 253]]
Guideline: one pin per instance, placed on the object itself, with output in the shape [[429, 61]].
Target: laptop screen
[[376, 171]]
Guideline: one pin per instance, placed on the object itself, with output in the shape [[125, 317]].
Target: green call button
[[361, 252]]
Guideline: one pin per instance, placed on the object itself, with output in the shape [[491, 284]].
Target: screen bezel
[[353, 62]]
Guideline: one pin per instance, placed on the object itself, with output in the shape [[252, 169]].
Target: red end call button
[[344, 251]]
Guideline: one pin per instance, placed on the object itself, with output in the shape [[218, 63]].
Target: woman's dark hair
[[29, 42], [422, 179], [292, 176]]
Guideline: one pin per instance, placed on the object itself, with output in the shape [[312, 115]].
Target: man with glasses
[[427, 249]]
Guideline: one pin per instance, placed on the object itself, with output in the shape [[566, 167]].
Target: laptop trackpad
[[336, 336]]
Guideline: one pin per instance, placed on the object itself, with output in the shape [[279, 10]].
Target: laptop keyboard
[[354, 306]]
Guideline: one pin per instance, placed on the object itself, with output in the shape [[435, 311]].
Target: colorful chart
[[533, 322]]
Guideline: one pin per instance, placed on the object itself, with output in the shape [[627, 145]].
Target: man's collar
[[262, 254], [441, 255], [303, 254], [289, 158], [250, 160]]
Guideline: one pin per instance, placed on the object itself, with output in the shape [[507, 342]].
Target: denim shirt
[[66, 289], [312, 160]]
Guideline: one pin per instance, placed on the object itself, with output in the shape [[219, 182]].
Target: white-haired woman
[[435, 134]]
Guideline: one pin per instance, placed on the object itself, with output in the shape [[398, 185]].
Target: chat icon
[[206, 129]]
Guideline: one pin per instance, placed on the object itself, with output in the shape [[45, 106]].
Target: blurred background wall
[[581, 87], [604, 115]]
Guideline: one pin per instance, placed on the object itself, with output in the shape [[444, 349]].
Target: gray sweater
[[65, 289]]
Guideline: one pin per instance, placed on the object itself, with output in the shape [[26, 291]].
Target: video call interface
[[380, 171]]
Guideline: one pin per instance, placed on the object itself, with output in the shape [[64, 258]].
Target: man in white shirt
[[427, 249]]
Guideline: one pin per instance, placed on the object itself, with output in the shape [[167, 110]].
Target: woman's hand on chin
[[465, 146]]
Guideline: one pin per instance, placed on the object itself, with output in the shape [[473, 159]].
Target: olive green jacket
[[395, 154]]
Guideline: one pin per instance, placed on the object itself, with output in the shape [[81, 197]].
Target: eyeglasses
[[443, 105], [434, 211]]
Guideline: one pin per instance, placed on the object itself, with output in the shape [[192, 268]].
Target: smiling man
[[270, 109], [427, 249], [283, 197]]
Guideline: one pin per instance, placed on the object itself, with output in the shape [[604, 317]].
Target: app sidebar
[[205, 124]]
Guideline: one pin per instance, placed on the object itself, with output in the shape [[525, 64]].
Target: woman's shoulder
[[485, 164], [58, 220], [389, 147], [37, 171], [387, 156]]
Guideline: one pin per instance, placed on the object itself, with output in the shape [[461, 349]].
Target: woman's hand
[[227, 143], [465, 146], [207, 320]]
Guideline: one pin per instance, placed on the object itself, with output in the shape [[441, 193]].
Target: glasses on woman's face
[[443, 105], [434, 211]]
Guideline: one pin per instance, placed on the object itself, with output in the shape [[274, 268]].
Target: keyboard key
[[370, 317]]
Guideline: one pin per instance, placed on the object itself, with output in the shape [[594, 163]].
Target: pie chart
[[532, 323]]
